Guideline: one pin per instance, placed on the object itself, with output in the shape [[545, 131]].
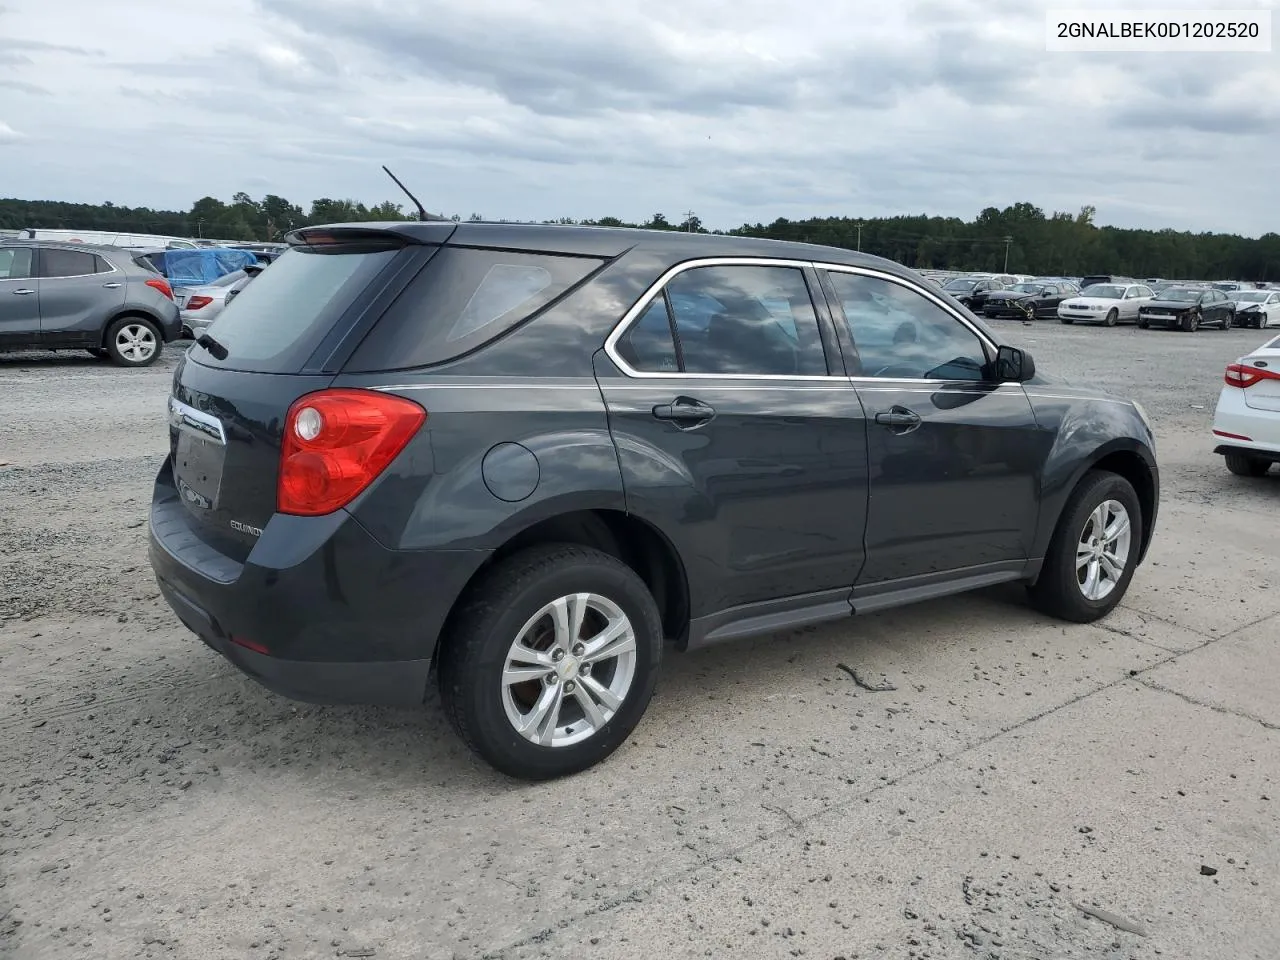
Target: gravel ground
[[1028, 790]]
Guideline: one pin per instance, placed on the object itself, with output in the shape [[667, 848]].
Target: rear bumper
[[1240, 428], [342, 618]]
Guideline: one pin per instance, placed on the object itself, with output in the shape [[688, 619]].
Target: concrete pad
[[1208, 570], [1237, 674], [1114, 802]]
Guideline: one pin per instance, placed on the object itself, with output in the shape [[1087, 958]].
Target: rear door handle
[[113, 286], [684, 412], [23, 292], [898, 419]]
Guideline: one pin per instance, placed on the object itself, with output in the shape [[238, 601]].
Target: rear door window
[[66, 263], [278, 321], [746, 320], [464, 298]]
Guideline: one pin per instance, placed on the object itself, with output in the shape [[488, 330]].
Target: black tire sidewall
[[1069, 602], [478, 689], [1112, 318], [117, 357]]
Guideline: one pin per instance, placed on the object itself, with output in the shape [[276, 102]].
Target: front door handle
[[684, 412], [898, 419], [23, 292], [113, 286]]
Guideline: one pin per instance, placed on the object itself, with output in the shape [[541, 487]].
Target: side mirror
[[1013, 365]]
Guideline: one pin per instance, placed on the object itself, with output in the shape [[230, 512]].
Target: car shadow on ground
[[232, 722]]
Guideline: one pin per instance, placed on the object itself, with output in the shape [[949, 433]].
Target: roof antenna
[[422, 211]]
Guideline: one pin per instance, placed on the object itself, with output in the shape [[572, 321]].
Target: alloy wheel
[[569, 670], [1102, 552], [135, 342]]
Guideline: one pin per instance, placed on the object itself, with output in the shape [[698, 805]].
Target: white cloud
[[743, 112]]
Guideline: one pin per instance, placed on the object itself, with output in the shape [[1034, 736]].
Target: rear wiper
[[213, 346]]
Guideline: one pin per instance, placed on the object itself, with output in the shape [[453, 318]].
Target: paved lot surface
[[157, 804]]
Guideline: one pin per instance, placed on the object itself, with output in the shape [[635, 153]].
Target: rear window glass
[[463, 299], [276, 322]]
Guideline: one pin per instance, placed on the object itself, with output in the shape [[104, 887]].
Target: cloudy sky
[[741, 110]]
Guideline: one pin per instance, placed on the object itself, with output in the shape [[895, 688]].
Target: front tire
[[551, 661], [1190, 322], [1113, 316], [1245, 466], [1228, 321], [1144, 323], [1094, 550], [134, 342]]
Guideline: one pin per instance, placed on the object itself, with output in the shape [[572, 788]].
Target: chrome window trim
[[632, 315], [622, 326], [904, 282]]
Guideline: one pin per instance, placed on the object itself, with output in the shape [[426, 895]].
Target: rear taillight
[[161, 284], [336, 442], [195, 303], [1244, 375]]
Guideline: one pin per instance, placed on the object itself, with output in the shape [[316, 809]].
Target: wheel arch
[[1127, 458], [633, 541], [125, 314]]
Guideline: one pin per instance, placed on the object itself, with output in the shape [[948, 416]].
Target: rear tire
[[1113, 316], [489, 639], [1245, 466], [134, 342], [1059, 590]]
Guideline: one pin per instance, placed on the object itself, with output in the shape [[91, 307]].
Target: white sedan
[[1106, 303], [1257, 308], [1246, 424]]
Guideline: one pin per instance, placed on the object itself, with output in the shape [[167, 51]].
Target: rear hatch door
[[285, 335]]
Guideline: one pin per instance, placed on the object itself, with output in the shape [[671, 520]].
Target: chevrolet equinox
[[519, 461]]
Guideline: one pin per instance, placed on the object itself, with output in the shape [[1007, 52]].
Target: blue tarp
[[190, 268]]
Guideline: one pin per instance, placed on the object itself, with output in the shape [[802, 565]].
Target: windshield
[[1183, 294], [960, 284], [1027, 288], [1246, 297], [1104, 291]]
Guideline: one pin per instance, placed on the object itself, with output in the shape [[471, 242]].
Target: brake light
[[336, 442], [161, 284], [1243, 375], [195, 303]]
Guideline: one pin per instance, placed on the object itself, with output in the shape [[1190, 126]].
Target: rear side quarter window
[[464, 298]]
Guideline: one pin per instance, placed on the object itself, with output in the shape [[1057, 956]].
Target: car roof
[[609, 242], [99, 248]]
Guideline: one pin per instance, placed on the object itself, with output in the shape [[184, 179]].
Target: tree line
[[1021, 238]]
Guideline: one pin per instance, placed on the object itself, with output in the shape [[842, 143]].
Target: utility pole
[[859, 236], [688, 219], [1007, 241]]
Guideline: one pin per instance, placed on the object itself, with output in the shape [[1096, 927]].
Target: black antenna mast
[[422, 211]]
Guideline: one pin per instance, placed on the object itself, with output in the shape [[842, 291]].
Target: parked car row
[[1109, 300]]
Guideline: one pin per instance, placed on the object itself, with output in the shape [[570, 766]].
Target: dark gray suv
[[524, 459], [107, 300]]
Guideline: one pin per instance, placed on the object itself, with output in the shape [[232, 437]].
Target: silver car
[[201, 304], [62, 296]]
